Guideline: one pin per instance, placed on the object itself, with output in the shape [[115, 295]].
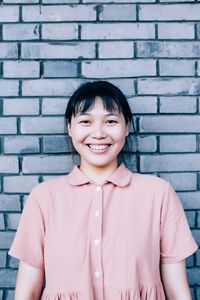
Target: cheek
[[119, 134], [79, 134]]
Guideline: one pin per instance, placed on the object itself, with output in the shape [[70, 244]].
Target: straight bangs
[[87, 103]]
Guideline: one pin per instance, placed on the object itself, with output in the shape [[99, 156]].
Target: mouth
[[98, 148]]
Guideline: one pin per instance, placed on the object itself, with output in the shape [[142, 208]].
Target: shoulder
[[150, 182], [49, 187]]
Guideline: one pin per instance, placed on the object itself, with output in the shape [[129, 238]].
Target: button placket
[[97, 238]]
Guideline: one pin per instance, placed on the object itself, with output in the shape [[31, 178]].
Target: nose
[[98, 132]]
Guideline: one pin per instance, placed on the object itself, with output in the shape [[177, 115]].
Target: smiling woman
[[102, 232], [98, 138]]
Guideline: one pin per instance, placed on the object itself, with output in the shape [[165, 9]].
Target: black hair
[[113, 100]]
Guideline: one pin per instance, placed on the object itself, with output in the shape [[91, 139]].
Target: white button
[[97, 213], [98, 188], [96, 242], [97, 273]]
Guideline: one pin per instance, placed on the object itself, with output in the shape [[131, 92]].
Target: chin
[[100, 163]]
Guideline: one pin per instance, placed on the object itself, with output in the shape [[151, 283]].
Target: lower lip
[[99, 151]]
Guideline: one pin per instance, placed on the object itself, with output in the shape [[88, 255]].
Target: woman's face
[[98, 135]]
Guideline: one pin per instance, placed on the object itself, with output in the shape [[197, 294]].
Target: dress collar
[[121, 176]]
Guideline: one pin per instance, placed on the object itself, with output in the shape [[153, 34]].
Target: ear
[[127, 129], [69, 129]]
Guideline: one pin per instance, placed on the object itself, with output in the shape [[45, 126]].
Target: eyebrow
[[109, 114]]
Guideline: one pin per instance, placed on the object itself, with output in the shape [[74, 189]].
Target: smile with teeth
[[98, 147]]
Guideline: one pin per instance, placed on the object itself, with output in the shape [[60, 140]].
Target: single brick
[[196, 234], [9, 203], [193, 275], [198, 220], [177, 67], [13, 263], [175, 31], [173, 12], [21, 69], [20, 106], [170, 162], [168, 49], [21, 144], [64, 50], [198, 69], [56, 144], [21, 1], [2, 223], [147, 143], [2, 259], [42, 125], [181, 181], [169, 86], [60, 31], [116, 50], [60, 1], [118, 68], [198, 30], [125, 84], [52, 13], [178, 143], [187, 124], [198, 259], [119, 12], [13, 221], [118, 31], [19, 184], [190, 199], [8, 50], [178, 104], [55, 106], [22, 32], [5, 242], [47, 164], [143, 105], [9, 13], [7, 277], [9, 164], [190, 262], [8, 125], [60, 69], [50, 87], [9, 87], [181, 3], [115, 1]]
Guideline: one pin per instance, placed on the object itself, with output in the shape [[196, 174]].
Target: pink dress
[[103, 242]]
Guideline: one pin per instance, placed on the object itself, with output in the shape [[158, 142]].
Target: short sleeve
[[176, 241], [28, 243]]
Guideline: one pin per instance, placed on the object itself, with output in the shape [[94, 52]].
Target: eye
[[84, 121], [112, 121]]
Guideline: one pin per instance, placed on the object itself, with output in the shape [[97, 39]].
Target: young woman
[[102, 232]]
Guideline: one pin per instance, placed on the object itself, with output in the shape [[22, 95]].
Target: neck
[[98, 174]]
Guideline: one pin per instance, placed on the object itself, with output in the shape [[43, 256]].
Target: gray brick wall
[[150, 49]]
